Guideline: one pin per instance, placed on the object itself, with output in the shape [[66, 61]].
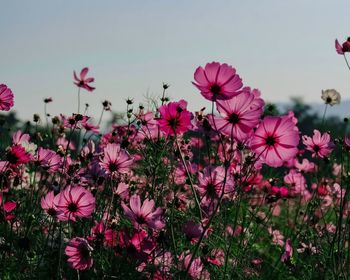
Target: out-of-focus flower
[[331, 96], [143, 214], [6, 98], [345, 47], [320, 144], [217, 81], [82, 81], [79, 251], [288, 251]]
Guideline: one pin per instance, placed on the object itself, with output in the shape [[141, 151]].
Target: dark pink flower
[[115, 160], [17, 155], [217, 81], [341, 49], [143, 214], [6, 98], [275, 140], [175, 119], [82, 81], [320, 145], [239, 115], [74, 202], [79, 251]]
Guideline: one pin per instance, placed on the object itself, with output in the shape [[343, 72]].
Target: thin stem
[[347, 63], [78, 100]]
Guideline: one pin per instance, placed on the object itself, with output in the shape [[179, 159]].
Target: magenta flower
[[275, 140], [320, 145], [217, 81], [143, 214], [115, 160], [74, 202], [82, 81], [6, 98], [341, 49], [175, 119], [17, 155], [239, 115], [288, 251], [79, 251]]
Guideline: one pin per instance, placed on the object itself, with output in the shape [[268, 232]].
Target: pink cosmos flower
[[115, 160], [74, 202], [17, 155], [320, 145], [239, 115], [6, 209], [275, 140], [47, 204], [341, 49], [19, 137], [212, 180], [79, 251], [6, 98], [288, 251], [175, 119], [143, 214], [48, 160], [217, 81], [82, 81]]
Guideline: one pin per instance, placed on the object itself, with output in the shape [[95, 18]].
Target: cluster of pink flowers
[[172, 194]]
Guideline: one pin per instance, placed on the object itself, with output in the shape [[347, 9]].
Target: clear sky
[[284, 48]]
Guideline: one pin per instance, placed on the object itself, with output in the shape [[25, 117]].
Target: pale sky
[[284, 48]]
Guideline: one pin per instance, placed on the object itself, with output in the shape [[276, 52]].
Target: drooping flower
[[320, 144], [115, 159], [239, 115], [79, 251], [6, 98], [175, 119], [74, 202], [341, 49], [143, 214], [82, 81], [275, 140], [331, 96], [217, 81]]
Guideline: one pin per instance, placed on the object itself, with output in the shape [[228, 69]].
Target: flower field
[[232, 191]]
